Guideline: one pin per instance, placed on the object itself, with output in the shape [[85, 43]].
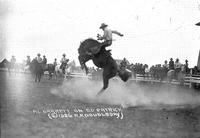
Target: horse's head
[[33, 65], [82, 60]]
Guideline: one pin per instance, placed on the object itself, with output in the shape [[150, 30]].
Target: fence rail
[[189, 80]]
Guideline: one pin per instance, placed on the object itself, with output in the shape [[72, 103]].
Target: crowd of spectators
[[158, 71]]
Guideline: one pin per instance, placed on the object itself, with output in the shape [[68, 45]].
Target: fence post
[[190, 86]]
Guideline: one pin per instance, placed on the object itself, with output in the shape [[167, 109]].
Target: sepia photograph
[[100, 68]]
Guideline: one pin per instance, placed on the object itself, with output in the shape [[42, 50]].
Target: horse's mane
[[89, 40]]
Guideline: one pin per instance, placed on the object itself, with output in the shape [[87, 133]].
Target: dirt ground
[[23, 103]]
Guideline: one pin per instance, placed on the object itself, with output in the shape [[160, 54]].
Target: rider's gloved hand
[[99, 37], [121, 35]]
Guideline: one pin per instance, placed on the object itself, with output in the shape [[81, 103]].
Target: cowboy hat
[[38, 54], [103, 25], [64, 54]]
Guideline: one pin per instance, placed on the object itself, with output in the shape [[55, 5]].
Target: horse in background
[[64, 72], [11, 67], [36, 69], [179, 76], [26, 66], [50, 68]]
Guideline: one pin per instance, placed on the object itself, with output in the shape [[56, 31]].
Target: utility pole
[[198, 61]]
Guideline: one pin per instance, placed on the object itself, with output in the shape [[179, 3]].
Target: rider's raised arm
[[116, 32]]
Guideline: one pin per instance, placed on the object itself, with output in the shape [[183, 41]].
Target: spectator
[[39, 59], [44, 61], [165, 67], [171, 64], [177, 67], [195, 71], [123, 64], [55, 62], [186, 67]]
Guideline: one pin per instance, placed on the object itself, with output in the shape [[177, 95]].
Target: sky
[[154, 30]]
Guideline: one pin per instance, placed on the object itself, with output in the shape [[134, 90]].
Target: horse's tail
[[124, 74]]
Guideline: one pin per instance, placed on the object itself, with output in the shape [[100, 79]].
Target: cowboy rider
[[55, 62], [13, 61], [63, 61], [44, 61], [28, 61], [39, 59], [107, 35]]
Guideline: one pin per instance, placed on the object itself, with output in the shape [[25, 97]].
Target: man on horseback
[[13, 61], [39, 59], [55, 62], [94, 50], [28, 61], [44, 62], [64, 62], [107, 36], [12, 64]]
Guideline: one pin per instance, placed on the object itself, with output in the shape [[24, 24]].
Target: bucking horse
[[102, 59]]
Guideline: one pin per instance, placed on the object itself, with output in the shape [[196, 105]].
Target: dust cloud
[[127, 94]]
